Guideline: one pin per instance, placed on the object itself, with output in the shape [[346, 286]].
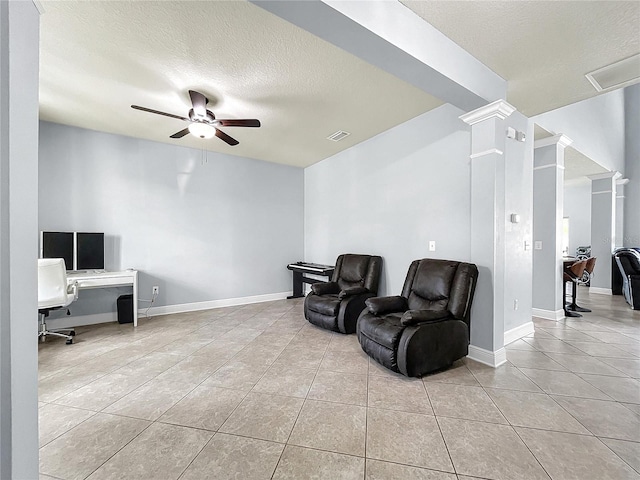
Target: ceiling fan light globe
[[202, 130]]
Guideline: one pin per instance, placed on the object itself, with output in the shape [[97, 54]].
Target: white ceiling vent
[[619, 74], [339, 135]]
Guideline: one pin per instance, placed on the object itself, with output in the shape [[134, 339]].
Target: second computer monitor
[[89, 251]]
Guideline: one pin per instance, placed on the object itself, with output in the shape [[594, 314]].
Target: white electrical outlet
[[432, 245], [155, 290], [537, 245]]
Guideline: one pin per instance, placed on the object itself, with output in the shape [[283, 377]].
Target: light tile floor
[[256, 392]]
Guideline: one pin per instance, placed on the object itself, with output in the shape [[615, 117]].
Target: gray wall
[[200, 230], [577, 206], [596, 127], [391, 195], [632, 166], [19, 37]]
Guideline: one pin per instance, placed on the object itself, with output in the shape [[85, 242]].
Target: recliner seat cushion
[[325, 304], [385, 330]]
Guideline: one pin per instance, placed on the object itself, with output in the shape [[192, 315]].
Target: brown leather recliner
[[427, 327], [335, 305]]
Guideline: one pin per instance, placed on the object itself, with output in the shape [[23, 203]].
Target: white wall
[[577, 206], [632, 167], [596, 127], [391, 195], [201, 232]]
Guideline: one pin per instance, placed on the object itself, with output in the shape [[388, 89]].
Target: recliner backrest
[[358, 271], [433, 284], [629, 261]]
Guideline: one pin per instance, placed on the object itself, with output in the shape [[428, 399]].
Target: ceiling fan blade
[[180, 134], [199, 102], [223, 136], [240, 123], [158, 112]]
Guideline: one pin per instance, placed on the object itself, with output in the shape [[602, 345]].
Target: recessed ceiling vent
[[339, 135], [619, 74]]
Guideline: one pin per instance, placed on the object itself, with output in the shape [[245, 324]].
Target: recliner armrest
[[347, 292], [382, 305], [324, 288], [413, 317]]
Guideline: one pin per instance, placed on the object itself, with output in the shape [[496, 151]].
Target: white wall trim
[[548, 314], [493, 359], [486, 152], [78, 320], [500, 109], [225, 302], [604, 191], [106, 317], [560, 139], [518, 332], [551, 165], [600, 290], [622, 181]]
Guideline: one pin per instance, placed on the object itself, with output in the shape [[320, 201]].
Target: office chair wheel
[[70, 341], [72, 333]]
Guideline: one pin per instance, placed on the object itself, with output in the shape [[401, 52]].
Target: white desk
[[93, 279]]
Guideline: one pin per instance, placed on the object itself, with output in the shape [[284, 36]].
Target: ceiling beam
[[392, 37]]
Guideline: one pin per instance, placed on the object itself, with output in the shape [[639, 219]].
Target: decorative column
[[488, 227], [603, 229], [619, 239], [19, 50], [548, 199]]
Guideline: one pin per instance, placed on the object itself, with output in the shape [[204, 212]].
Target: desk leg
[[135, 300], [297, 285]]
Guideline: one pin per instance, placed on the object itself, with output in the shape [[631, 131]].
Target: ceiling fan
[[202, 122]]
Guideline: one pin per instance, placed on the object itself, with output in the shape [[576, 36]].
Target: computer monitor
[[58, 245], [89, 251]]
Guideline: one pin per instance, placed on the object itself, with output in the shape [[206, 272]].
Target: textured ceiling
[[542, 48], [99, 57]]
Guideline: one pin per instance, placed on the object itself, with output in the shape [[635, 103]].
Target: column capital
[[561, 140], [602, 176], [499, 109]]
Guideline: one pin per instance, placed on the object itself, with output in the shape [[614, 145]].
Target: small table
[[300, 268], [100, 279]]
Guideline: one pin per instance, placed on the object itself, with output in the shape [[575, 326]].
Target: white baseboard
[[493, 359], [76, 321], [548, 314], [518, 332], [106, 317], [225, 302], [600, 291]]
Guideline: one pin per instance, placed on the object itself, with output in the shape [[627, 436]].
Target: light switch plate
[[537, 245], [432, 245]]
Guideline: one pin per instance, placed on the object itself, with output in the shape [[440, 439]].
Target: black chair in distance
[[427, 327], [628, 261], [335, 305]]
